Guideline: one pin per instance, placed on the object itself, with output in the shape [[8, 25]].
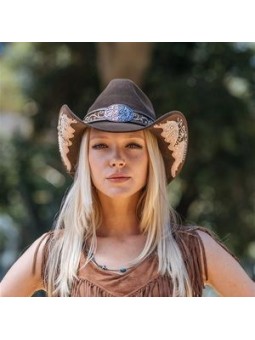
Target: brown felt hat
[[124, 107]]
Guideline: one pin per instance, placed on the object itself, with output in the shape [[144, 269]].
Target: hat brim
[[171, 131]]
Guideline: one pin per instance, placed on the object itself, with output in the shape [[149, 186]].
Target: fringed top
[[142, 280]]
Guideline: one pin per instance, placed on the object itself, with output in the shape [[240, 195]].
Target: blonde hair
[[80, 217]]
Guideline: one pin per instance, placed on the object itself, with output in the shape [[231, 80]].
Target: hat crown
[[126, 92], [124, 107]]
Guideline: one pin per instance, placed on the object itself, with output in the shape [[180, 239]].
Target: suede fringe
[[194, 257]]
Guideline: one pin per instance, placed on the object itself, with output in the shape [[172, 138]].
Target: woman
[[115, 234]]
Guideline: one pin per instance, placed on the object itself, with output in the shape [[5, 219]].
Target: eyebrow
[[128, 135]]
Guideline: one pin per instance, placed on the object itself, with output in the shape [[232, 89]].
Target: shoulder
[[210, 241], [201, 244], [213, 246], [207, 239], [225, 274], [24, 277], [191, 235], [41, 248], [192, 246], [38, 250], [221, 268], [214, 249]]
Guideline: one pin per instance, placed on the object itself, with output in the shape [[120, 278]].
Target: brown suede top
[[142, 280]]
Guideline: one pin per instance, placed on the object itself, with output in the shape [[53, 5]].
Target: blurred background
[[213, 84]]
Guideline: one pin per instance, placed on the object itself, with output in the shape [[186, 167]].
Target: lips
[[118, 178], [118, 175]]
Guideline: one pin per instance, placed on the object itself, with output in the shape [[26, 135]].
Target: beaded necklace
[[104, 267]]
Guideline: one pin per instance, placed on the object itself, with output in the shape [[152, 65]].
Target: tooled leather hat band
[[118, 113]]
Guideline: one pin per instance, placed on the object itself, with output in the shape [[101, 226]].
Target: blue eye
[[99, 146], [134, 146]]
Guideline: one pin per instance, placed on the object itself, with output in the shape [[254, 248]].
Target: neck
[[119, 218]]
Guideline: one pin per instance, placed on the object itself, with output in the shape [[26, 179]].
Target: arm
[[225, 274], [21, 280]]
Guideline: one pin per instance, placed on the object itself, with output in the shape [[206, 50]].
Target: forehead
[[113, 135]]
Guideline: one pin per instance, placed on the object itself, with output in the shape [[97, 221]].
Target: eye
[[134, 146], [99, 146]]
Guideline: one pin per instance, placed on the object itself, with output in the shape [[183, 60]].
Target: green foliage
[[48, 75], [213, 84]]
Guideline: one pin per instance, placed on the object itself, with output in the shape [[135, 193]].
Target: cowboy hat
[[124, 107]]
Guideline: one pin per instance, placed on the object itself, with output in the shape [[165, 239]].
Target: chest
[[118, 253]]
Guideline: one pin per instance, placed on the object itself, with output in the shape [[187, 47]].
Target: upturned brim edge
[[171, 131]]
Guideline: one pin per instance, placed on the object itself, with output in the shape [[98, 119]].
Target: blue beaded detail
[[123, 270], [119, 113], [104, 267]]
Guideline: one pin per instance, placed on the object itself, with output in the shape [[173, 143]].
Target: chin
[[121, 194]]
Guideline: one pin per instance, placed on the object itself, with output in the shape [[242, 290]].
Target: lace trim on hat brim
[[175, 134], [65, 134]]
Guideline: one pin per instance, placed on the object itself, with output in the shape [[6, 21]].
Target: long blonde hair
[[80, 217]]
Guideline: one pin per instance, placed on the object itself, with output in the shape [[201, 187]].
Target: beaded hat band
[[123, 107]]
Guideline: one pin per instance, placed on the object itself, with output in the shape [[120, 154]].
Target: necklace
[[104, 267]]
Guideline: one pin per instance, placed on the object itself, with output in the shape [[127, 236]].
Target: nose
[[117, 163]]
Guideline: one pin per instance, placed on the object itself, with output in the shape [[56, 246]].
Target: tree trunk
[[123, 60]]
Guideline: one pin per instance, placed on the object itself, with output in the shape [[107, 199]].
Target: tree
[[211, 83]]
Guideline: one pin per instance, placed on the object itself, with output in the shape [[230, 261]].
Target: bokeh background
[[213, 84]]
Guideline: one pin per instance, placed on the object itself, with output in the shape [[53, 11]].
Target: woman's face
[[118, 162]]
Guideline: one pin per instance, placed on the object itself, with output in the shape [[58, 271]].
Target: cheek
[[146, 170], [95, 161], [142, 164], [95, 164]]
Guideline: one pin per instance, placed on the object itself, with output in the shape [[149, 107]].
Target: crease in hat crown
[[125, 92], [123, 107], [122, 101]]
